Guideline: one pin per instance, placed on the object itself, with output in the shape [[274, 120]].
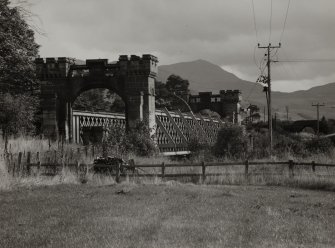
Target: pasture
[[168, 214]]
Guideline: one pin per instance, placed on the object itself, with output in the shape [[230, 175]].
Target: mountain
[[206, 76]]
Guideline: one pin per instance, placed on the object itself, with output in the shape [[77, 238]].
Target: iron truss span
[[173, 132]]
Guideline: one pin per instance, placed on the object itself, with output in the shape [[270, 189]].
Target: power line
[[254, 17], [288, 7], [307, 60], [270, 21]]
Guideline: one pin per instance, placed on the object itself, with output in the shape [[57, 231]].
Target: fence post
[[77, 168], [55, 156], [132, 166], [203, 165], [290, 167], [246, 170], [313, 166], [163, 170], [38, 163], [19, 163], [14, 169], [117, 177], [28, 162]]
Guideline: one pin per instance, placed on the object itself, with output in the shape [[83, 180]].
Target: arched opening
[[94, 111]]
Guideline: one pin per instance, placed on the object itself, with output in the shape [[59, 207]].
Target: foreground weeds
[[322, 179]]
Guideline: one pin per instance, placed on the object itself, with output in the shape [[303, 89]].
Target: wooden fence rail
[[23, 165]]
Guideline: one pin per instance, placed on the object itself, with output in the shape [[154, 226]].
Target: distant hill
[[206, 76]]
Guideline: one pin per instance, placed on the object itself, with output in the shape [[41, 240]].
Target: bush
[[231, 142], [291, 144], [319, 146], [260, 145], [17, 114], [138, 141]]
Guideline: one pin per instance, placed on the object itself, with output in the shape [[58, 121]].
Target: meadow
[[268, 209], [168, 214]]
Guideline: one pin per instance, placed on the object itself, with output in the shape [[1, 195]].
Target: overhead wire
[[307, 60], [284, 26], [254, 17], [258, 65], [270, 22], [285, 21]]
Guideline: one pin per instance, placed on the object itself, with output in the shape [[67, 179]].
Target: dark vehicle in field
[[110, 165]]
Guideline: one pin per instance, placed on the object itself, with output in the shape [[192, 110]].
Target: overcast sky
[[220, 31]]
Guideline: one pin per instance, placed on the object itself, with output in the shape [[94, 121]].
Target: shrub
[[138, 141], [291, 144], [318, 145], [231, 142], [17, 113], [260, 145]]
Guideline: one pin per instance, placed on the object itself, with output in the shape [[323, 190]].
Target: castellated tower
[[230, 104], [132, 78], [56, 117], [140, 87]]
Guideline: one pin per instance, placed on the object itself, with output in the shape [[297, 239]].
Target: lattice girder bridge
[[174, 130]]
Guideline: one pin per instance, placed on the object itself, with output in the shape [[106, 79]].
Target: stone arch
[[133, 79]]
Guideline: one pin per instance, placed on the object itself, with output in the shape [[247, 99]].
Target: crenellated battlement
[[227, 103], [135, 65], [49, 68], [53, 67], [230, 95]]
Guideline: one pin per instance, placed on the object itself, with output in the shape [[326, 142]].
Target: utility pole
[[268, 81], [286, 107], [318, 105]]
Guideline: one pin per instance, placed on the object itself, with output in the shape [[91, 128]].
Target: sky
[[224, 32]]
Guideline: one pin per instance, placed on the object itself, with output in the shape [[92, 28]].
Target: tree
[[17, 71], [99, 100], [253, 112], [165, 93], [18, 50], [178, 85], [16, 114]]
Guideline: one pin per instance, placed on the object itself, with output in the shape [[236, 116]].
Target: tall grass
[[5, 178], [231, 175]]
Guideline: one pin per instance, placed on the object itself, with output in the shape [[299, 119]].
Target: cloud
[[221, 31]]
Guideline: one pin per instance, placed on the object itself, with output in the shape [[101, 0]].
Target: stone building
[[226, 103]]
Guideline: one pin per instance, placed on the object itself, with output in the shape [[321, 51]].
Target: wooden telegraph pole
[[318, 105], [269, 47]]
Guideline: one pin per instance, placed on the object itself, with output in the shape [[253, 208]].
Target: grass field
[[166, 215]]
